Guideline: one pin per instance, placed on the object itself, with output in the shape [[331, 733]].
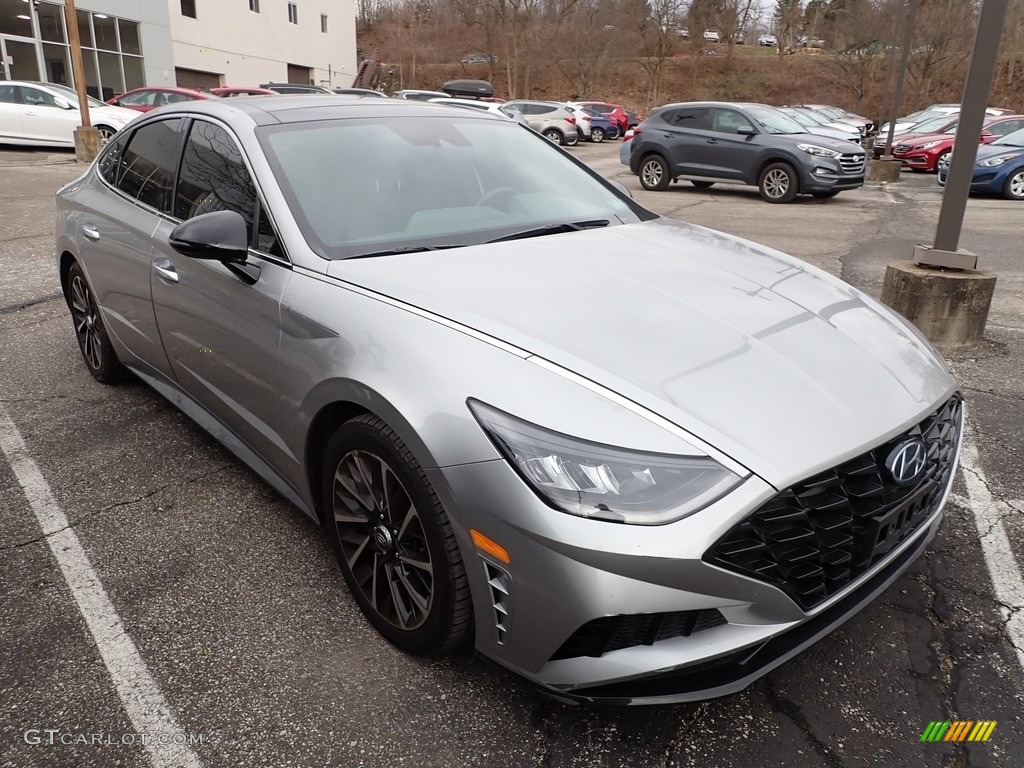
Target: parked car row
[[707, 143]]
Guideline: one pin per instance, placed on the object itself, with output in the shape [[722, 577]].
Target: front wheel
[[1014, 187], [393, 541], [597, 135], [654, 173], [97, 351], [778, 183]]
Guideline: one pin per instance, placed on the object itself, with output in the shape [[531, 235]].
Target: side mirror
[[219, 235], [61, 102], [746, 130]]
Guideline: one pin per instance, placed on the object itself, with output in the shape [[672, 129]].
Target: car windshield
[[932, 124], [802, 118], [71, 94], [1015, 139], [373, 187], [774, 121]]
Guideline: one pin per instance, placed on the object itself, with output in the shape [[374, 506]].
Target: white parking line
[[163, 739], [1007, 582]]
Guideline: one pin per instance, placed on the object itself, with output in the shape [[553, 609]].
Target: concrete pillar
[[883, 169], [949, 306], [87, 144]]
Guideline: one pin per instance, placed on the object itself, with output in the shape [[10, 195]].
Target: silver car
[[634, 460]]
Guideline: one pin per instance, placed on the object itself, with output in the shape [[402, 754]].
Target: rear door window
[[149, 162], [690, 117]]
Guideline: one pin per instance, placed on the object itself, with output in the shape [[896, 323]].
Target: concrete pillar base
[[884, 169], [950, 307], [87, 144]]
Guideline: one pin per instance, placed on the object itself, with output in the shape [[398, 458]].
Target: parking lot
[[246, 632]]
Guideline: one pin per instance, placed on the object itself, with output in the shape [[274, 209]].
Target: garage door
[[297, 74], [193, 78]]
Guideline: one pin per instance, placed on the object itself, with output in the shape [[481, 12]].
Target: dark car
[[710, 142], [601, 126], [998, 168], [293, 88]]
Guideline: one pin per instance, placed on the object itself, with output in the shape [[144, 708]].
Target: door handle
[[165, 270], [90, 232], [712, 141]]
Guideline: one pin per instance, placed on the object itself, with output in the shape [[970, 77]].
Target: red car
[[613, 112], [922, 153], [241, 90], [151, 97]]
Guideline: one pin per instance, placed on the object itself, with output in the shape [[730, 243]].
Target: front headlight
[[992, 162], [927, 145], [601, 481], [814, 149]]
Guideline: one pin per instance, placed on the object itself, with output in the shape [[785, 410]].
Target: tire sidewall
[[1007, 193], [663, 181], [110, 370], [371, 435], [791, 191]]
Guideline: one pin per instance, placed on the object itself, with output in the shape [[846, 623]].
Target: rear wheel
[[106, 132], [1014, 187], [97, 351], [393, 540], [597, 135], [703, 184], [555, 135], [778, 183], [654, 173]]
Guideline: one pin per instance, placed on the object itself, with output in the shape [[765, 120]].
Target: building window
[[323, 23], [188, 8], [293, 13], [254, 6]]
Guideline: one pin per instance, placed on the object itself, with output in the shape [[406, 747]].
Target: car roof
[[300, 108]]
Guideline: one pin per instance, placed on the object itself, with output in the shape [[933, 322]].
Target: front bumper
[[919, 161], [597, 612], [822, 174]]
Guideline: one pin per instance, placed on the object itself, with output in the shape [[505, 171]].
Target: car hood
[[986, 151], [120, 114], [926, 137], [772, 361], [839, 145]]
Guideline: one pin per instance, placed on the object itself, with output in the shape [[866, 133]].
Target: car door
[[116, 225], [11, 114], [682, 135], [727, 153], [44, 121], [220, 324]]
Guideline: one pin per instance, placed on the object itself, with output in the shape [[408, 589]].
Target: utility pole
[[87, 138]]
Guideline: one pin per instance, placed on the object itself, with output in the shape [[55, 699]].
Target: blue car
[[999, 168], [601, 127]]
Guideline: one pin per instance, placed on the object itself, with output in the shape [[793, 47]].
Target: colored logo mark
[[958, 730]]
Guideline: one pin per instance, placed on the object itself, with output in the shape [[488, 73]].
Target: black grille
[[901, 149], [611, 633], [813, 539]]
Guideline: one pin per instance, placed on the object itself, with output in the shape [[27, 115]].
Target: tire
[[597, 135], [400, 537], [703, 184], [93, 341], [555, 135], [1014, 187], [825, 195], [106, 133], [935, 168], [778, 183], [654, 173]]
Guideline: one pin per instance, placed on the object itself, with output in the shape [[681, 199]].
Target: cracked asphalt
[[241, 615]]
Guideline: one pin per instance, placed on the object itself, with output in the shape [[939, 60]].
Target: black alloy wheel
[[97, 351], [393, 541]]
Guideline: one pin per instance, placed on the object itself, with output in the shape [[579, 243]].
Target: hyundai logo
[[906, 461]]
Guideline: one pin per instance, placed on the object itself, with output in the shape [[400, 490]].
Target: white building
[[130, 43]]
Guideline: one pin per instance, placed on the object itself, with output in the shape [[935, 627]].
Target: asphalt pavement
[[243, 626]]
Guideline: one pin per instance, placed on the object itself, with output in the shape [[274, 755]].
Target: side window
[[175, 98], [37, 98], [149, 162], [690, 118], [214, 178], [8, 94], [109, 162], [1005, 128], [141, 99], [727, 121]]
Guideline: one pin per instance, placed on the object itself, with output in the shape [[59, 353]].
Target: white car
[[768, 41], [485, 106], [711, 35], [46, 114]]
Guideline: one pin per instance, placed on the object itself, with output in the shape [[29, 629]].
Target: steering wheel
[[498, 192]]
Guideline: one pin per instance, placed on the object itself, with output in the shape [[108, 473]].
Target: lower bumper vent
[[612, 633]]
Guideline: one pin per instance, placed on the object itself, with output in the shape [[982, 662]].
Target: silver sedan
[[631, 459]]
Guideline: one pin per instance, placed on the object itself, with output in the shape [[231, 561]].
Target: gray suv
[[710, 142]]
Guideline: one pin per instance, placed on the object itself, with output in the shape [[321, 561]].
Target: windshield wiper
[[401, 249], [553, 229]]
